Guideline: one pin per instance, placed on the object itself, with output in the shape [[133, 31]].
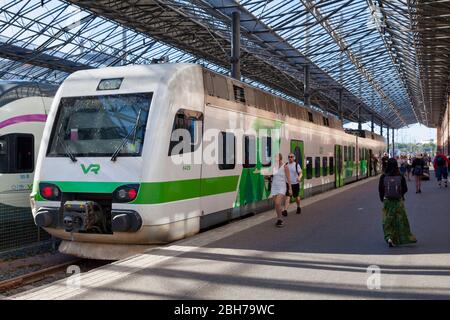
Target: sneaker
[[299, 210], [390, 243], [284, 213], [279, 223], [420, 191]]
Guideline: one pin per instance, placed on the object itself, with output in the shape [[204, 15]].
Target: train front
[[90, 162]]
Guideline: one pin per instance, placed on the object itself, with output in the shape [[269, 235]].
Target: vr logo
[[95, 168]]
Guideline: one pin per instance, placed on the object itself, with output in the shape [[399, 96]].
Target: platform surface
[[323, 253]]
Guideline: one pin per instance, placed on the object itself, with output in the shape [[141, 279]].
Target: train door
[[339, 180], [297, 148]]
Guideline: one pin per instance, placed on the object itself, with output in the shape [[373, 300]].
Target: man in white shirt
[[295, 171]]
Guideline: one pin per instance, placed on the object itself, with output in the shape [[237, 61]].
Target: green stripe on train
[[156, 192]]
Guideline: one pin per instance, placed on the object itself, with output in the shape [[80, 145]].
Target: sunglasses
[[291, 157]]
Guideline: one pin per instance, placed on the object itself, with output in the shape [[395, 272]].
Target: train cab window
[[249, 152], [17, 153], [324, 166], [309, 168], [317, 167], [310, 117], [331, 164], [266, 151], [227, 151], [187, 132]]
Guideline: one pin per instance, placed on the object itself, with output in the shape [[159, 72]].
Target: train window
[[17, 153], [24, 154], [354, 154], [317, 167], [324, 166], [310, 117], [266, 149], [239, 95], [345, 153], [249, 152], [227, 151], [4, 163], [187, 131], [324, 121], [100, 126], [309, 168], [331, 164]]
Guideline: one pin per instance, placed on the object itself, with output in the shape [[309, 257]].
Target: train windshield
[[99, 126]]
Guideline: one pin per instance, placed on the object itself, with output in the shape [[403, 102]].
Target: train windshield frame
[[97, 125]]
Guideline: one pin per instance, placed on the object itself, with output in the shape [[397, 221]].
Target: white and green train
[[111, 170]]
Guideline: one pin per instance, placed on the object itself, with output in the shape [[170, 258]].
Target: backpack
[[393, 187], [440, 162]]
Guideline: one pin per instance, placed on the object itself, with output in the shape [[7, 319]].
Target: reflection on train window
[[331, 164], [317, 167], [227, 151], [309, 168], [187, 131], [249, 152], [324, 166], [266, 150]]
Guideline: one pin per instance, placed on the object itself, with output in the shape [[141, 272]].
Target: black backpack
[[393, 187]]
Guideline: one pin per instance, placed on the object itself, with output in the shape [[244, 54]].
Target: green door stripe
[[157, 192]]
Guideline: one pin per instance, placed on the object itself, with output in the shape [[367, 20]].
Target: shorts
[[295, 190]]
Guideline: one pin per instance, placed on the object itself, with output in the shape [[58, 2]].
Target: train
[[24, 107], [149, 154]]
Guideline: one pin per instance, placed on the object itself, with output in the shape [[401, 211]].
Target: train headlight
[[49, 191], [126, 193]]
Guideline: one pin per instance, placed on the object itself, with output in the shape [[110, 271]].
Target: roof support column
[[372, 125], [387, 130], [359, 118], [393, 144], [236, 45], [306, 86], [341, 113]]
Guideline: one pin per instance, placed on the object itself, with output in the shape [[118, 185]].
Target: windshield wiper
[[125, 140], [64, 145]]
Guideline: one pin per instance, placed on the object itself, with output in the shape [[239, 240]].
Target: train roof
[[11, 90]]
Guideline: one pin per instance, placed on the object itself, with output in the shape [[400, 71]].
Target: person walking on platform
[[295, 173], [384, 161], [440, 168], [402, 163], [418, 166], [281, 184], [408, 168], [392, 188]]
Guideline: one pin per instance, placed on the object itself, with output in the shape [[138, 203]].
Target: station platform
[[323, 253]]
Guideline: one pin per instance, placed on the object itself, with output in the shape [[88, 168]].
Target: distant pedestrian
[[384, 161], [418, 166], [408, 168], [402, 164], [295, 173], [440, 168], [281, 184], [392, 188]]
